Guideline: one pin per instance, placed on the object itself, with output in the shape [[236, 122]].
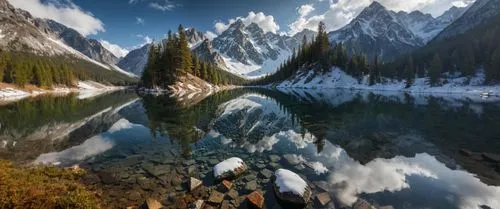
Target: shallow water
[[407, 151]]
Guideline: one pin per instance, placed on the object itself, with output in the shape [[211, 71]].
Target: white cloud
[[305, 9], [266, 22], [341, 12], [210, 35], [139, 21], [114, 48], [68, 14], [145, 39], [163, 5]]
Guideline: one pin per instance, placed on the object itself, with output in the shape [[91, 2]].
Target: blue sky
[[122, 25]]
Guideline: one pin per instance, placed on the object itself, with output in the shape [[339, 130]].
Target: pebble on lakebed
[[229, 168]]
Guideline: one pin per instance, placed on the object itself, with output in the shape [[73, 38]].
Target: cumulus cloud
[[341, 12], [68, 14], [210, 35], [266, 22], [114, 48]]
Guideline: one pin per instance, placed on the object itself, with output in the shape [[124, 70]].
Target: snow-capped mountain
[[194, 37], [206, 53], [249, 51], [20, 31], [379, 31], [480, 12], [135, 61]]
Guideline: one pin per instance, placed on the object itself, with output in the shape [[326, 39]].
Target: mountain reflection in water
[[388, 148]]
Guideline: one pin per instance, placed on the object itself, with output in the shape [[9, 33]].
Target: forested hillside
[[173, 58], [23, 68]]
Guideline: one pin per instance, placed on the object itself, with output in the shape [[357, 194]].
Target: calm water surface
[[406, 151]]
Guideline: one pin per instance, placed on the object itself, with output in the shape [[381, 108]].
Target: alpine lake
[[355, 149]]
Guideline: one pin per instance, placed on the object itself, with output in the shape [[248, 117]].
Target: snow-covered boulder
[[229, 168], [290, 187]]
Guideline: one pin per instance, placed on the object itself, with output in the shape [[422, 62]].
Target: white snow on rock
[[228, 165], [120, 125], [9, 93], [288, 181]]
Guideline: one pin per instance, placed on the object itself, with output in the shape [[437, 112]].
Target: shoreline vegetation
[[45, 187]]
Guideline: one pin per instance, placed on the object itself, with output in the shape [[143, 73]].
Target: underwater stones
[[290, 187], [134, 195], [256, 199], [293, 159], [266, 173], [226, 205], [194, 183], [216, 197], [274, 158], [491, 157], [156, 170], [229, 168], [213, 161], [151, 204], [386, 207], [251, 185], [250, 177], [260, 165], [108, 177], [188, 162], [323, 198]]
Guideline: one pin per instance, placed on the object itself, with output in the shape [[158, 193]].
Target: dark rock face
[[479, 13], [206, 53], [136, 60]]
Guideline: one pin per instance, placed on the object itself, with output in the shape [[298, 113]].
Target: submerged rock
[[194, 183], [323, 198], [229, 169], [274, 158], [216, 197], [362, 204], [290, 187], [256, 199], [197, 205]]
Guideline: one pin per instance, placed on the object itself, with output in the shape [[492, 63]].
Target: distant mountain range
[[21, 32], [248, 51], [379, 31]]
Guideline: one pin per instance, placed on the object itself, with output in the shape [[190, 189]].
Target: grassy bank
[[44, 187]]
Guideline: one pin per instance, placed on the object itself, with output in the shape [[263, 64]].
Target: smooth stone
[[151, 204], [216, 197], [465, 152], [251, 185], [250, 177], [197, 205], [231, 174], [213, 162], [323, 198], [156, 170], [274, 158], [386, 207], [266, 173], [260, 166], [107, 178], [134, 195], [194, 183], [256, 199], [275, 165], [291, 197]]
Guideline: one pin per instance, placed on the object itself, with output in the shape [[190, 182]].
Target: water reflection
[[408, 151]]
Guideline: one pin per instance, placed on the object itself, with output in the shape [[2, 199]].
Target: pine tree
[[493, 66], [435, 70], [409, 72], [184, 51]]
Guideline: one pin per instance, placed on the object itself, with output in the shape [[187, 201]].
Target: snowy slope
[[338, 79]]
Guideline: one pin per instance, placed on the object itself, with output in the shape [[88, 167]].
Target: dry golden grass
[[43, 187]]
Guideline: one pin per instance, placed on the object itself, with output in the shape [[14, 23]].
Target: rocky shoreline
[[173, 180]]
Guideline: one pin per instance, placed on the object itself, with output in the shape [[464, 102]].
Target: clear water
[[388, 148]]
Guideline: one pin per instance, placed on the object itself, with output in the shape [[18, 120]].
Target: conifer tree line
[[478, 49], [172, 58], [322, 56], [464, 55], [21, 68]]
